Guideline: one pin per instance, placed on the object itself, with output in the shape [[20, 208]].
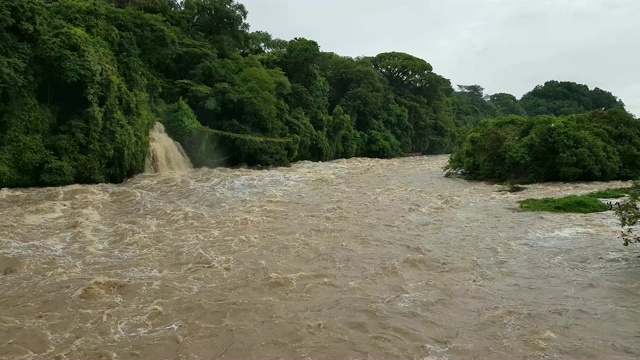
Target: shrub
[[57, 173], [629, 215], [597, 146], [382, 144]]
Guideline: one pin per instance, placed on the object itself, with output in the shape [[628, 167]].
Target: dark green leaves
[[566, 98], [402, 71], [574, 148], [82, 82]]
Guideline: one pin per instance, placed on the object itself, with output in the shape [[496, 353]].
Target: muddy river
[[350, 259]]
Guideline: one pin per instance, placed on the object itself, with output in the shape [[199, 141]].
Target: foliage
[[402, 71], [491, 152], [629, 215], [628, 212], [83, 81], [560, 98], [569, 204], [471, 105], [610, 193], [207, 147], [80, 111], [585, 147], [555, 98], [506, 104]]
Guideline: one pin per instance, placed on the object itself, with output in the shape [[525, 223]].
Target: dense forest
[[83, 81], [559, 131]]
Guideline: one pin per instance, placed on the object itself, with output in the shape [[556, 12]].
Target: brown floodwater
[[348, 259]]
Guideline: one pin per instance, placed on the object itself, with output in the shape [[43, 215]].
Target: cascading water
[[165, 154]]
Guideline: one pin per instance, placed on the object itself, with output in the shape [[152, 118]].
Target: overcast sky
[[502, 45]]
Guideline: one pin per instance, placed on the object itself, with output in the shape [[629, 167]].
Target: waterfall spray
[[165, 155]]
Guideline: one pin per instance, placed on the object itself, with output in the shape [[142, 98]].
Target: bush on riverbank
[[602, 145]]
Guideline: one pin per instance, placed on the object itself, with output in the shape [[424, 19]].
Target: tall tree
[[426, 97], [404, 72], [566, 98], [506, 104], [471, 105], [221, 22]]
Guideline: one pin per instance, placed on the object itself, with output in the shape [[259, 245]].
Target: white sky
[[503, 45]]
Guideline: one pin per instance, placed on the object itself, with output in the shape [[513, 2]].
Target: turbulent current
[[356, 258]]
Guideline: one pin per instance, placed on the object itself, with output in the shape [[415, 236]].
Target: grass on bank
[[584, 204], [569, 204], [610, 193]]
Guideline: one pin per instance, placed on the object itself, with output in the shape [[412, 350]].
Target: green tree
[[563, 150], [402, 71], [566, 98], [470, 105], [425, 95], [342, 135], [221, 22], [260, 42], [506, 104], [597, 146], [309, 90]]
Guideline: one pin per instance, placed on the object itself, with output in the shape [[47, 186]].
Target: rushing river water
[[355, 258]]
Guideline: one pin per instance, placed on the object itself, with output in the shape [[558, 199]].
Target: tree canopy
[[565, 98], [601, 145], [83, 81]]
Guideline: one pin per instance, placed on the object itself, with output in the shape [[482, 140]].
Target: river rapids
[[349, 259]]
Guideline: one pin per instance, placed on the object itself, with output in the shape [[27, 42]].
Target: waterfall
[[165, 155]]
